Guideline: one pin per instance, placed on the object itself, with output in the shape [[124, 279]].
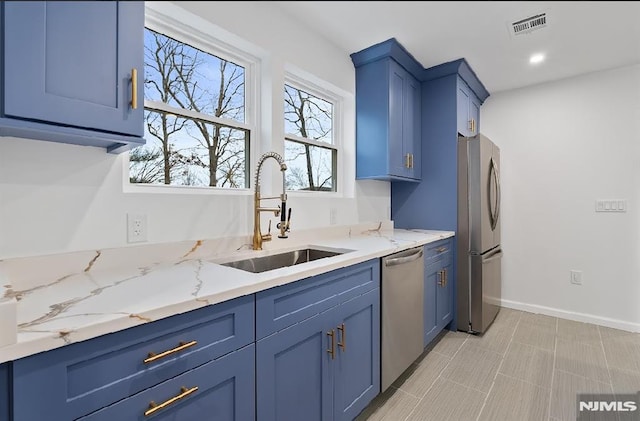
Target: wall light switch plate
[[611, 205], [136, 227]]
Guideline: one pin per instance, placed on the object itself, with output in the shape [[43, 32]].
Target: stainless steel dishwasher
[[402, 312]]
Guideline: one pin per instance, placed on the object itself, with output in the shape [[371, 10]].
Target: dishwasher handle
[[393, 261]]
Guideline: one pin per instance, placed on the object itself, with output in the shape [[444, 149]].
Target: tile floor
[[525, 367]]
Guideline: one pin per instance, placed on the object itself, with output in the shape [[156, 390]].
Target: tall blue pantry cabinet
[[451, 98]]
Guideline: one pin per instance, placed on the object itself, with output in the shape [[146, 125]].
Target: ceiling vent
[[528, 25]]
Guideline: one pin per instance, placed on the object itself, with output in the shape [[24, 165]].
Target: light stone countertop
[[67, 298]]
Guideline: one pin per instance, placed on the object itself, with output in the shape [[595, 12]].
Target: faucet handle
[[284, 226], [267, 236]]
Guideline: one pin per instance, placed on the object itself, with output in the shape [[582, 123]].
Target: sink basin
[[280, 260]]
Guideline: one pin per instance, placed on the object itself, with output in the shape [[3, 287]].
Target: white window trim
[[313, 85], [170, 19]]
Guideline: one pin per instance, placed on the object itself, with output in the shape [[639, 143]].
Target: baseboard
[[569, 315]]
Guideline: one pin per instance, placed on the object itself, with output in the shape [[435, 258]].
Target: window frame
[[207, 37], [322, 90]]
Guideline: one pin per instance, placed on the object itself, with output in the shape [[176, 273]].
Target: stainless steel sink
[[280, 260]]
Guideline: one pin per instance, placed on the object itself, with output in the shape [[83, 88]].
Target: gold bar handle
[[333, 344], [440, 278], [183, 345], [411, 160], [184, 392], [441, 249], [134, 88], [343, 344], [406, 161], [471, 125]]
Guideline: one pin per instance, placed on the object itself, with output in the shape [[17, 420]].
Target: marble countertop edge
[[208, 291]]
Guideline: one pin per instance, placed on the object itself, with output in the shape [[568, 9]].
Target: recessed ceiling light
[[536, 58]]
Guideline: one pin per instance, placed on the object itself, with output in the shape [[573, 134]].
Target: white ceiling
[[580, 36]]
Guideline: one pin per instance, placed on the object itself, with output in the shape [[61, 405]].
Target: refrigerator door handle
[[492, 212], [498, 188], [496, 254]]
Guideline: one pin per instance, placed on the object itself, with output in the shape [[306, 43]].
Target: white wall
[[563, 145], [58, 198]]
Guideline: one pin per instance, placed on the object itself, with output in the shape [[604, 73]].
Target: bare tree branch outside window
[[311, 164], [191, 151]]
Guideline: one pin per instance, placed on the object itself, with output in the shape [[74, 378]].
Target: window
[[195, 118], [310, 149]]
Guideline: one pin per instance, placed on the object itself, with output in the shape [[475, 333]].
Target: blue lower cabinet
[[438, 288], [80, 378], [445, 297], [431, 278], [357, 363], [221, 390], [294, 376], [326, 367], [5, 401]]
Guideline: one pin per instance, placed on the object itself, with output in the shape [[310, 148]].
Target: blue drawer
[[222, 390], [77, 379], [280, 307], [440, 252]]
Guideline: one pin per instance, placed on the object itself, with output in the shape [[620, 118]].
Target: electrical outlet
[[333, 216], [576, 277], [136, 227]]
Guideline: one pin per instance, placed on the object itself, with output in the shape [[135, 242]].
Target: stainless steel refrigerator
[[479, 249]]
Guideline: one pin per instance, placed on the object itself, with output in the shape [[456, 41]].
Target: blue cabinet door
[[220, 390], [397, 108], [412, 141], [5, 402], [431, 294], [404, 123], [294, 372], [357, 363], [445, 296], [388, 122], [468, 110], [70, 64], [439, 288], [474, 114]]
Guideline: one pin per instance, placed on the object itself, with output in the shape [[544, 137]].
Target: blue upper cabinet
[[468, 110], [388, 113], [73, 72]]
